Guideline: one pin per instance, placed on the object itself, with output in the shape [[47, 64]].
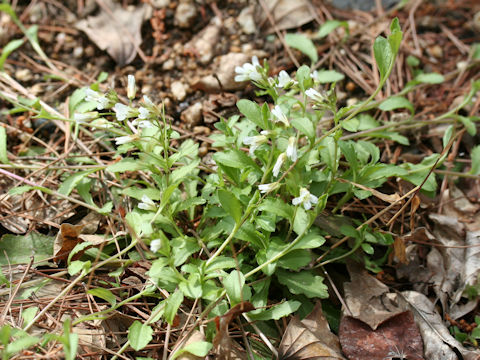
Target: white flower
[[276, 168], [248, 71], [254, 142], [315, 95], [266, 188], [100, 99], [143, 113], [124, 111], [279, 115], [142, 123], [126, 139], [147, 204], [147, 101], [155, 245], [292, 148], [284, 80], [314, 75], [82, 118], [305, 198], [131, 88]]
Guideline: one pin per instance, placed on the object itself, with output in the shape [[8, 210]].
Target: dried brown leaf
[[397, 337], [117, 31], [286, 14], [309, 338]]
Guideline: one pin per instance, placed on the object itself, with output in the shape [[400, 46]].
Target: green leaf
[[475, 156], [8, 49], [396, 102], [234, 284], [29, 314], [172, 304], [330, 25], [310, 241], [184, 171], [295, 259], [277, 311], [230, 204], [305, 126], [197, 348], [20, 189], [234, 158], [139, 335], [72, 181], [76, 266], [104, 294], [3, 146], [303, 77], [252, 111], [220, 263], [327, 153], [329, 76], [448, 135], [277, 207], [302, 221], [126, 164], [22, 343], [304, 44], [395, 37], [5, 334], [304, 283], [469, 125], [430, 78], [383, 55], [20, 248]]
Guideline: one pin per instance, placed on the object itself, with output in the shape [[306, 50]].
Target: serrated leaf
[[303, 282], [139, 335], [303, 44], [302, 221], [252, 111], [104, 294], [230, 204], [304, 125], [277, 207], [310, 241], [396, 102]]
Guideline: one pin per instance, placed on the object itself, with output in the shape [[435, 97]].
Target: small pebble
[[200, 130], [179, 90], [202, 151], [185, 14], [78, 52], [192, 115], [23, 75], [168, 65]]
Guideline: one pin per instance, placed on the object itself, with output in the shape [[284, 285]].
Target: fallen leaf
[[286, 14], [117, 30], [367, 298], [68, 237], [398, 337], [309, 338], [18, 249], [437, 341]]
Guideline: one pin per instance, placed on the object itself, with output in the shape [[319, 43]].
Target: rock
[[204, 43], [168, 65], [185, 14], [192, 115], [23, 75], [246, 21], [225, 79], [179, 90]]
